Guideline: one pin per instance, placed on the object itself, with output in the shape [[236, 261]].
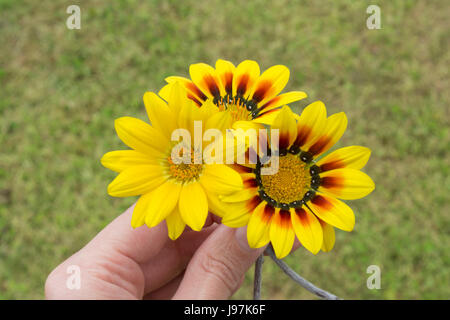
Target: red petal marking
[[261, 90], [241, 169], [323, 223], [284, 140], [318, 147], [270, 102], [190, 96], [228, 77], [253, 203], [267, 112], [302, 135], [284, 219], [332, 165], [301, 214], [322, 202], [268, 212], [212, 85], [191, 86], [246, 177], [332, 182], [250, 183], [242, 84]]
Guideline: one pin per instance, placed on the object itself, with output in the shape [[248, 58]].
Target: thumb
[[219, 265]]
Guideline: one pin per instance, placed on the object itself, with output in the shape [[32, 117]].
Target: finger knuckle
[[223, 269]]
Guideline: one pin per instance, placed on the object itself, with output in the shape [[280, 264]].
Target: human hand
[[126, 263]]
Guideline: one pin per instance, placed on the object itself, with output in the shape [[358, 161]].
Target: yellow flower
[[242, 91], [179, 192], [300, 199]]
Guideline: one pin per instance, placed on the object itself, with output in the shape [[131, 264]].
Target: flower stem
[[297, 278], [258, 278]]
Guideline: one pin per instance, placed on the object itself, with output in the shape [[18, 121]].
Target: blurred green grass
[[61, 90]]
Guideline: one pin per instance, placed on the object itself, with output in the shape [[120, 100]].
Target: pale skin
[[125, 263]]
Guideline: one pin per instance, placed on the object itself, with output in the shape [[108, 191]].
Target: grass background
[[61, 89]]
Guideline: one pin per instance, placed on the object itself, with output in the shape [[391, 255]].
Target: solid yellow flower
[[178, 192], [242, 91], [301, 198]]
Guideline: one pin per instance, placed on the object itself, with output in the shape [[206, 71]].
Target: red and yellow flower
[[242, 91], [179, 193], [302, 198]]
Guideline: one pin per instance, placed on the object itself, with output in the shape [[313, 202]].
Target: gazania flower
[[169, 189], [242, 91], [301, 198]]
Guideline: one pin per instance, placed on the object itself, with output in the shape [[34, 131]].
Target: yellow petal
[[188, 114], [215, 205], [193, 205], [138, 217], [205, 78], [287, 127], [193, 92], [122, 159], [161, 202], [282, 99], [175, 224], [239, 196], [347, 184], [307, 229], [334, 129], [225, 71], [136, 180], [332, 211], [161, 117], [245, 76], [178, 97], [311, 124], [220, 179], [270, 83], [246, 125], [141, 136], [240, 139], [208, 108], [267, 117], [259, 226], [165, 91], [328, 236], [281, 233], [220, 121], [237, 214], [353, 157]]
